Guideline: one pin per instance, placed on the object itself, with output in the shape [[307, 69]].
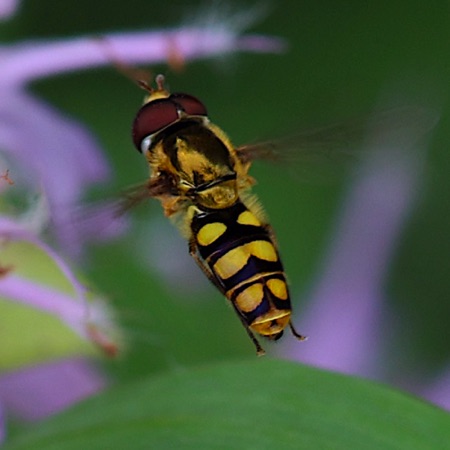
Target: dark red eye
[[152, 117], [189, 104]]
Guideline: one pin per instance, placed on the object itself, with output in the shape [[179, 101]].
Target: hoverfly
[[202, 182]]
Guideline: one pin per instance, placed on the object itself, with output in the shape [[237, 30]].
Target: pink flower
[[438, 390], [58, 158], [346, 317], [8, 8], [46, 150], [36, 392], [46, 153]]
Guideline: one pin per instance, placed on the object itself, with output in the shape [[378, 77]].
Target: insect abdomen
[[242, 257]]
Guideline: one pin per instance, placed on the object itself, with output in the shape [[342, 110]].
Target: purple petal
[[2, 424], [34, 393], [438, 392], [44, 298], [57, 154], [36, 134], [346, 318], [90, 319], [7, 9], [52, 153], [46, 58], [11, 230]]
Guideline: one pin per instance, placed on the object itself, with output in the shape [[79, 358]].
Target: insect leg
[[259, 350], [299, 336], [205, 269], [212, 277]]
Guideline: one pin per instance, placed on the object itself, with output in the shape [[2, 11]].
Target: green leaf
[[263, 404], [34, 335]]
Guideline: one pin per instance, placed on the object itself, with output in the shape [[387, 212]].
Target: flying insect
[[202, 182]]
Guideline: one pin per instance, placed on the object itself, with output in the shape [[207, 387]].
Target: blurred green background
[[343, 58]]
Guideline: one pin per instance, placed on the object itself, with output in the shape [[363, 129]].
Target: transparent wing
[[343, 142], [133, 196], [113, 205], [74, 226]]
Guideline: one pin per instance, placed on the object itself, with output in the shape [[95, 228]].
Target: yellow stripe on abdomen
[[278, 288], [231, 262], [210, 233], [235, 259], [262, 250], [249, 299], [248, 218]]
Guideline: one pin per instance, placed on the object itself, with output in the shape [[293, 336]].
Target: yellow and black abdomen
[[244, 264]]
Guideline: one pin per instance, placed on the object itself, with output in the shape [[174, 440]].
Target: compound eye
[[151, 118], [189, 104]]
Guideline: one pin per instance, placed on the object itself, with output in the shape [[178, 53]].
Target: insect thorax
[[201, 163]]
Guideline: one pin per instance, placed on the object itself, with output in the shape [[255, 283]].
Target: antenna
[[139, 76]]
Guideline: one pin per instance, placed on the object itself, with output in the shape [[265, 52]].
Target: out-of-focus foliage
[[251, 405], [344, 59]]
